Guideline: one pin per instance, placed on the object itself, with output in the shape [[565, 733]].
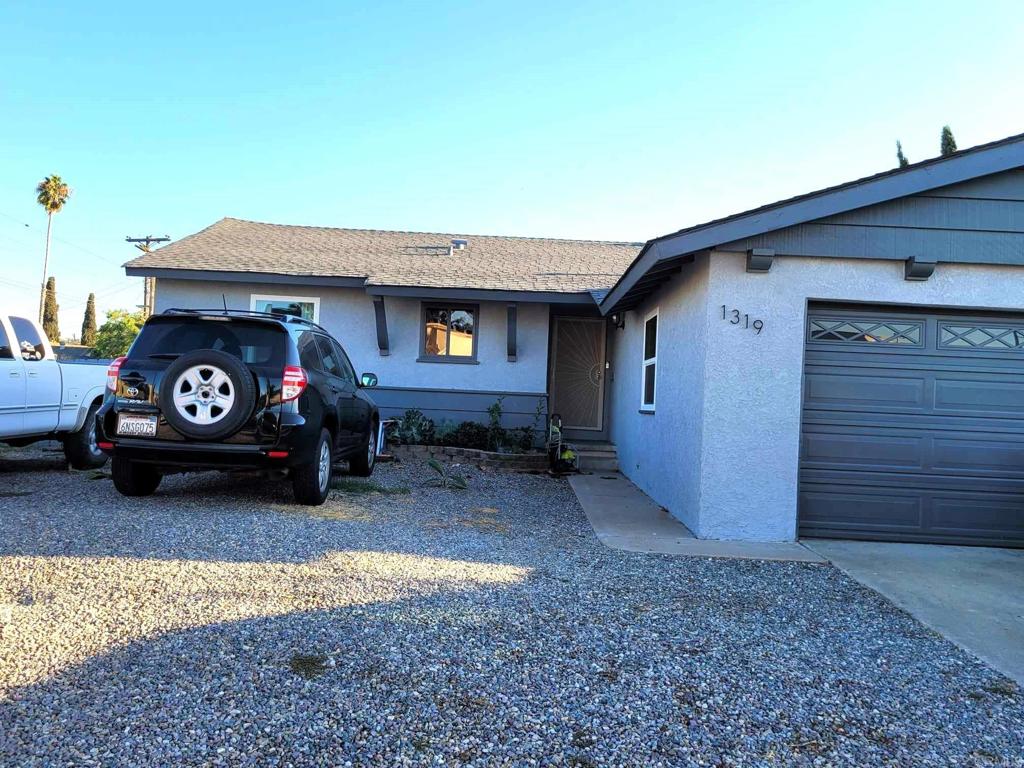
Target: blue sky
[[591, 120]]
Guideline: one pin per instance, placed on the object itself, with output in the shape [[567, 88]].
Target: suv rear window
[[253, 342]]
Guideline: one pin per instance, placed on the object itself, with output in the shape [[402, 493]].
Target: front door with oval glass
[[577, 376]]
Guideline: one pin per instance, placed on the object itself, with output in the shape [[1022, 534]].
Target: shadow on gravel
[[511, 673]]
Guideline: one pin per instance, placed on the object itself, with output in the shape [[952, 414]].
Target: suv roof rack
[[279, 316]]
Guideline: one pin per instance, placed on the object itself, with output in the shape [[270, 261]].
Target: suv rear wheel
[[312, 482], [132, 478]]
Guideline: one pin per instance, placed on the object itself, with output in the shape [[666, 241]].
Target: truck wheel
[[361, 465], [80, 447], [312, 482], [132, 478]]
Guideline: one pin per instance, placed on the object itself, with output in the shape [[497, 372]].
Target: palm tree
[[51, 193]]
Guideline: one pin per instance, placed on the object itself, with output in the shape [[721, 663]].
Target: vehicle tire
[[207, 394], [362, 464], [132, 478], [80, 447], [312, 482]]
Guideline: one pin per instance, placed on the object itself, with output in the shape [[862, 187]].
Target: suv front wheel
[[361, 465], [312, 482]]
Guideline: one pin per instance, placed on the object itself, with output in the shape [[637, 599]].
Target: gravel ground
[[217, 624]]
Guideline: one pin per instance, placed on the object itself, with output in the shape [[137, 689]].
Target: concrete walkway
[[973, 596], [623, 517]]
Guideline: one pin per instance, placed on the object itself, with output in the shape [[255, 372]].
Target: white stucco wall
[[348, 314], [660, 452], [747, 387]]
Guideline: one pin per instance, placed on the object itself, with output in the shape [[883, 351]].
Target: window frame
[[646, 362], [314, 300], [427, 306]]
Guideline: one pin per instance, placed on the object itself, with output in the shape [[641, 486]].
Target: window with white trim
[[307, 307], [650, 365]]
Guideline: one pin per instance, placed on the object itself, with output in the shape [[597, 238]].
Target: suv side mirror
[[368, 380]]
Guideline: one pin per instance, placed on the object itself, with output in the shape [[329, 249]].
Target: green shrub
[[413, 429], [468, 434]]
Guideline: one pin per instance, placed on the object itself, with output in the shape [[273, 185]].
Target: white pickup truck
[[41, 399]]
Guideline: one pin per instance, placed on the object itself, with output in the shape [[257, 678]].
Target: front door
[[577, 376]]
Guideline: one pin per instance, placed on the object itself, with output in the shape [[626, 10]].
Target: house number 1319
[[736, 317]]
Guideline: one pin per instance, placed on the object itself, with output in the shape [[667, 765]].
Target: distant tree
[[117, 334], [900, 156], [948, 143], [50, 325], [89, 322], [51, 193]]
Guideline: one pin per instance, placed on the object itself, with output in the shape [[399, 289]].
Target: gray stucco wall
[[660, 452], [405, 383], [748, 387]]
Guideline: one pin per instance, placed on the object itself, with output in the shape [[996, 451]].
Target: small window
[[6, 353], [868, 331], [28, 339], [990, 337], [330, 357], [347, 371], [650, 365], [449, 333], [306, 307], [309, 356]]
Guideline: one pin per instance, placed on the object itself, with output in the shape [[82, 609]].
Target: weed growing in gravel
[[446, 478], [353, 485], [1003, 687], [308, 667]]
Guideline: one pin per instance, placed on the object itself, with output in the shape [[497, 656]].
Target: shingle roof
[[398, 258]]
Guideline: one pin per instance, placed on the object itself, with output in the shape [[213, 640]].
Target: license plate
[[136, 426]]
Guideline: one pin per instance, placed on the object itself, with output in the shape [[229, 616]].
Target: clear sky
[[610, 120]]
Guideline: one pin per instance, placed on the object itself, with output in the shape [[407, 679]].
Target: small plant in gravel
[[446, 478], [355, 485], [308, 667]]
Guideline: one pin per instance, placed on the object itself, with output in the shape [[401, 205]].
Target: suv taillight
[[293, 382], [112, 372]]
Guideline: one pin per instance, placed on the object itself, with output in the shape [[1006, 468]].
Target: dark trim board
[[210, 275], [519, 408], [477, 294], [967, 165]]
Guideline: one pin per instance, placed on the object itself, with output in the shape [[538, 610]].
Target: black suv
[[229, 390]]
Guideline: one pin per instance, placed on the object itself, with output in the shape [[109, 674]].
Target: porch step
[[596, 457]]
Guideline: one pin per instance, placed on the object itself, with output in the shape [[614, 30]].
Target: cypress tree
[[948, 143], [50, 326], [89, 322], [900, 157]]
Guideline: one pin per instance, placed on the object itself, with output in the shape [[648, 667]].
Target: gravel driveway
[[218, 624]]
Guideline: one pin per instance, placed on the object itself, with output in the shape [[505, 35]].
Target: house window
[[449, 333], [650, 364], [307, 307]]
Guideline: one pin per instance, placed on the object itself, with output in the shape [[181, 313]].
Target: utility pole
[[145, 244]]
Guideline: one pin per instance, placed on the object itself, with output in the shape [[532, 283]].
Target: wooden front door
[[577, 375]]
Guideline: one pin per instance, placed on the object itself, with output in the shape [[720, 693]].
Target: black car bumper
[[293, 448]]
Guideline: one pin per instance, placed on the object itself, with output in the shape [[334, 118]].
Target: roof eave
[[932, 174]]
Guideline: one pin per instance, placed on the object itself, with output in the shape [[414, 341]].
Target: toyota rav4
[[233, 390]]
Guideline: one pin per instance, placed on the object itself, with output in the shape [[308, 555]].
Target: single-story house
[[845, 363]]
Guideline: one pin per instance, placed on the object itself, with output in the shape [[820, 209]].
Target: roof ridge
[[636, 243]]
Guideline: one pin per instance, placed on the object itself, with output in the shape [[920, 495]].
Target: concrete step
[[596, 457]]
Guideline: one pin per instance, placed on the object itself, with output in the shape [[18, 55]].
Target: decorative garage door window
[[871, 331], [997, 337]]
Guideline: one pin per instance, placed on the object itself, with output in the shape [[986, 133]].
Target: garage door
[[913, 426]]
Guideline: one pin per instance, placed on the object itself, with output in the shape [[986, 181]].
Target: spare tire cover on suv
[[207, 394]]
